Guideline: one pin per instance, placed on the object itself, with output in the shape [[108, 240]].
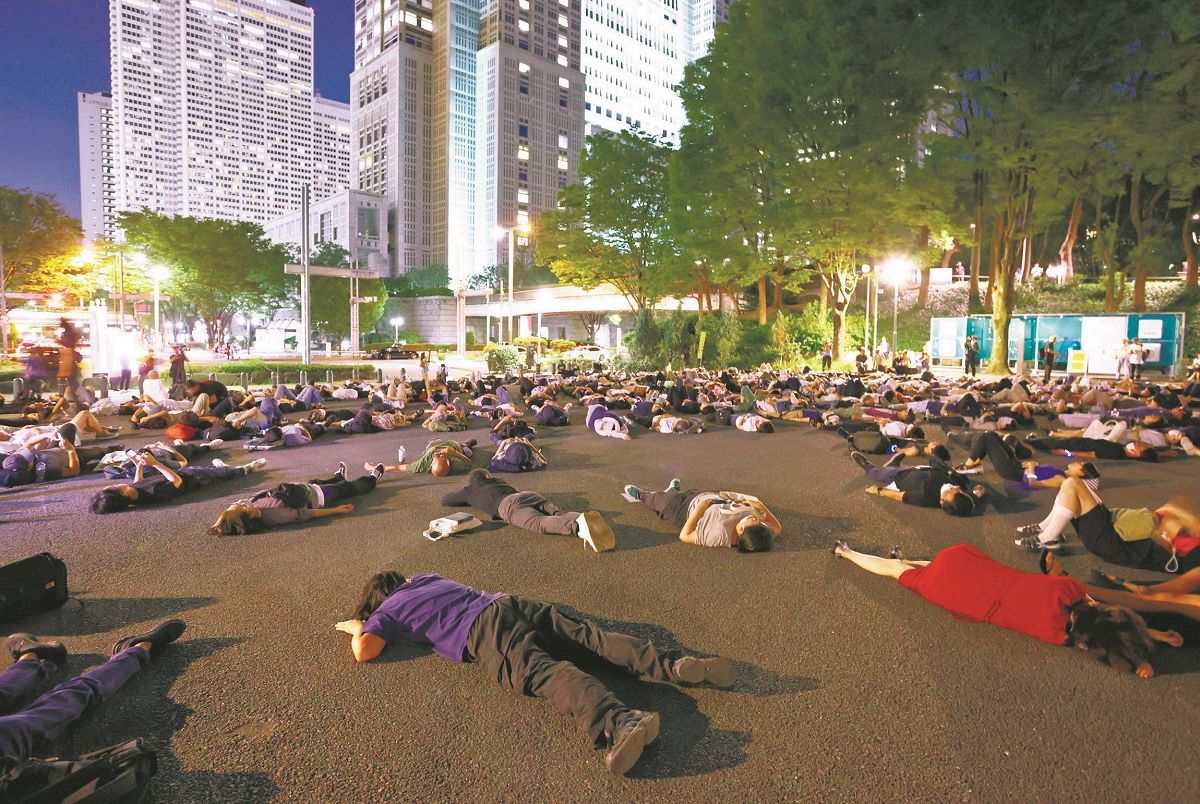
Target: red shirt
[[975, 588]]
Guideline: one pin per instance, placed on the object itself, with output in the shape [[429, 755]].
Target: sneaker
[[963, 469], [470, 443], [220, 464], [341, 471], [636, 730], [896, 553], [596, 532], [693, 670], [1035, 544], [377, 471], [860, 459], [161, 635], [675, 485], [20, 644], [179, 442], [632, 494], [254, 465], [567, 408], [216, 442], [113, 430], [839, 546], [1030, 530]]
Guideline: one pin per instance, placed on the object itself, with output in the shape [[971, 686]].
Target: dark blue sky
[[51, 49]]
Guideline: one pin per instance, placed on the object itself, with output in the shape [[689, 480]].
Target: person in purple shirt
[[528, 647]]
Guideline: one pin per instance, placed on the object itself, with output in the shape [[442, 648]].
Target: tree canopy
[[35, 231]]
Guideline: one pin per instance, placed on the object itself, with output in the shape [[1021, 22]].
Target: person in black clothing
[[1049, 356], [216, 390], [971, 355], [529, 510], [168, 484], [1005, 452], [1080, 447], [932, 486]]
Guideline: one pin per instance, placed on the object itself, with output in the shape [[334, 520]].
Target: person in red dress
[[1055, 609]]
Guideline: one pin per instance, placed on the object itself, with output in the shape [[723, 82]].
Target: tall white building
[[97, 191], [331, 147], [633, 56], [212, 106]]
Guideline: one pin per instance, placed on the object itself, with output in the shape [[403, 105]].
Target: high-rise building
[[331, 147], [633, 55], [212, 106], [529, 107], [96, 181]]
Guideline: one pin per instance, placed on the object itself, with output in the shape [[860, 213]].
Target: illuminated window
[[522, 218], [522, 196], [523, 153], [563, 21], [564, 83], [522, 25], [562, 163], [523, 67], [562, 141], [562, 60]]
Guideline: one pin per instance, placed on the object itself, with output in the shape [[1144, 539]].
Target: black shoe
[[162, 634], [896, 553], [340, 474], [840, 544], [636, 731], [20, 644], [860, 459], [377, 471], [470, 443]]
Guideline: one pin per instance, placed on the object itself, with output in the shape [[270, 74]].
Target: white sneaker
[[220, 464], [596, 532], [255, 465], [216, 442]]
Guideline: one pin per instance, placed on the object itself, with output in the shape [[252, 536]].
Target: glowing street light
[[509, 233], [158, 273], [397, 322], [544, 295], [896, 270]]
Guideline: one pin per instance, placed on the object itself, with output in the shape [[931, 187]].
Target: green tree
[[329, 309], [221, 267], [34, 231], [613, 226]]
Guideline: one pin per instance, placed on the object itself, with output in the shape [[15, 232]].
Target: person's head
[[1174, 436], [236, 520], [764, 426], [152, 374], [939, 450], [957, 502], [193, 387], [113, 499], [1141, 451], [916, 432], [440, 466], [1114, 633], [1085, 470], [478, 476], [272, 435], [377, 589], [66, 433], [752, 535]]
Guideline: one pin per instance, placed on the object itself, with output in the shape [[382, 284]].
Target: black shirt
[[482, 493], [922, 485], [215, 390], [158, 489]]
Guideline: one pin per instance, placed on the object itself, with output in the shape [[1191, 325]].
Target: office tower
[[212, 105], [468, 115], [703, 18], [331, 147], [96, 188], [529, 106]]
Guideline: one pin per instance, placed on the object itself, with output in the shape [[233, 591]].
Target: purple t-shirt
[[1042, 472], [433, 610]]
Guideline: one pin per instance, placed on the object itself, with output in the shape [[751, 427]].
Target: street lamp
[[544, 296], [397, 322], [158, 273], [895, 271], [866, 270], [512, 248]]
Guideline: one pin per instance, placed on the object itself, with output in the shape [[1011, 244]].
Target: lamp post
[[397, 322], [895, 271], [866, 270], [510, 233], [158, 273], [543, 297]]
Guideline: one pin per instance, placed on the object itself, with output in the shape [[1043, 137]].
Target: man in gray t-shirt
[[712, 518]]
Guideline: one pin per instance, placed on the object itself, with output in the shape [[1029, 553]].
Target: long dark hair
[[377, 589], [109, 501], [1114, 633]]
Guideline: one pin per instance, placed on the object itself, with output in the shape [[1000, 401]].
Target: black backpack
[[291, 495], [872, 442], [31, 585], [119, 774]]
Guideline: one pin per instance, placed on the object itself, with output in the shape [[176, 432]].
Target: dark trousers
[[24, 731], [1003, 459], [337, 488], [670, 506], [826, 362], [971, 364], [531, 511], [531, 648]]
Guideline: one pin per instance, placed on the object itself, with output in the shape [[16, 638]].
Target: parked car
[[596, 354], [397, 351]]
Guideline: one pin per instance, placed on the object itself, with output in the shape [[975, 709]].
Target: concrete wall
[[431, 317]]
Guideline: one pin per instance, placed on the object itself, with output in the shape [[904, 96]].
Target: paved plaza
[[850, 687]]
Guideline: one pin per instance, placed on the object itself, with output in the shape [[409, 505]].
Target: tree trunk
[[841, 294], [976, 247], [1066, 252], [777, 303], [994, 259], [823, 296], [1189, 248], [762, 300]]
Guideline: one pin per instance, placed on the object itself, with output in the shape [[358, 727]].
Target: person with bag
[[25, 729], [517, 455], [530, 648], [530, 511], [294, 502]]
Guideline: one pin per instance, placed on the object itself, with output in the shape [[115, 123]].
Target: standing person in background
[[1137, 358], [122, 383], [178, 366], [971, 355], [1049, 356], [1123, 359], [145, 367], [827, 356]]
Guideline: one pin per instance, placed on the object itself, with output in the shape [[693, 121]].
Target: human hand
[[872, 489], [351, 627], [978, 491], [345, 508]]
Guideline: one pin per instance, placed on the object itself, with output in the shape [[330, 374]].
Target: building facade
[[331, 147], [354, 219], [212, 106], [97, 189]]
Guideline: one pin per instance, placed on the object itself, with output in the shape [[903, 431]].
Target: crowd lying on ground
[[526, 645]]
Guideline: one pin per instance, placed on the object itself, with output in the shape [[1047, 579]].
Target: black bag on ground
[[31, 585], [119, 774], [872, 442]]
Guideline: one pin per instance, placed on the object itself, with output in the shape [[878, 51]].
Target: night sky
[[51, 49]]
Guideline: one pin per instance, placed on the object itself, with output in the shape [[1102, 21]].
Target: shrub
[[503, 358], [470, 339], [560, 345]]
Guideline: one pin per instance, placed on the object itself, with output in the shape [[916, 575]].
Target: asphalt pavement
[[850, 687]]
